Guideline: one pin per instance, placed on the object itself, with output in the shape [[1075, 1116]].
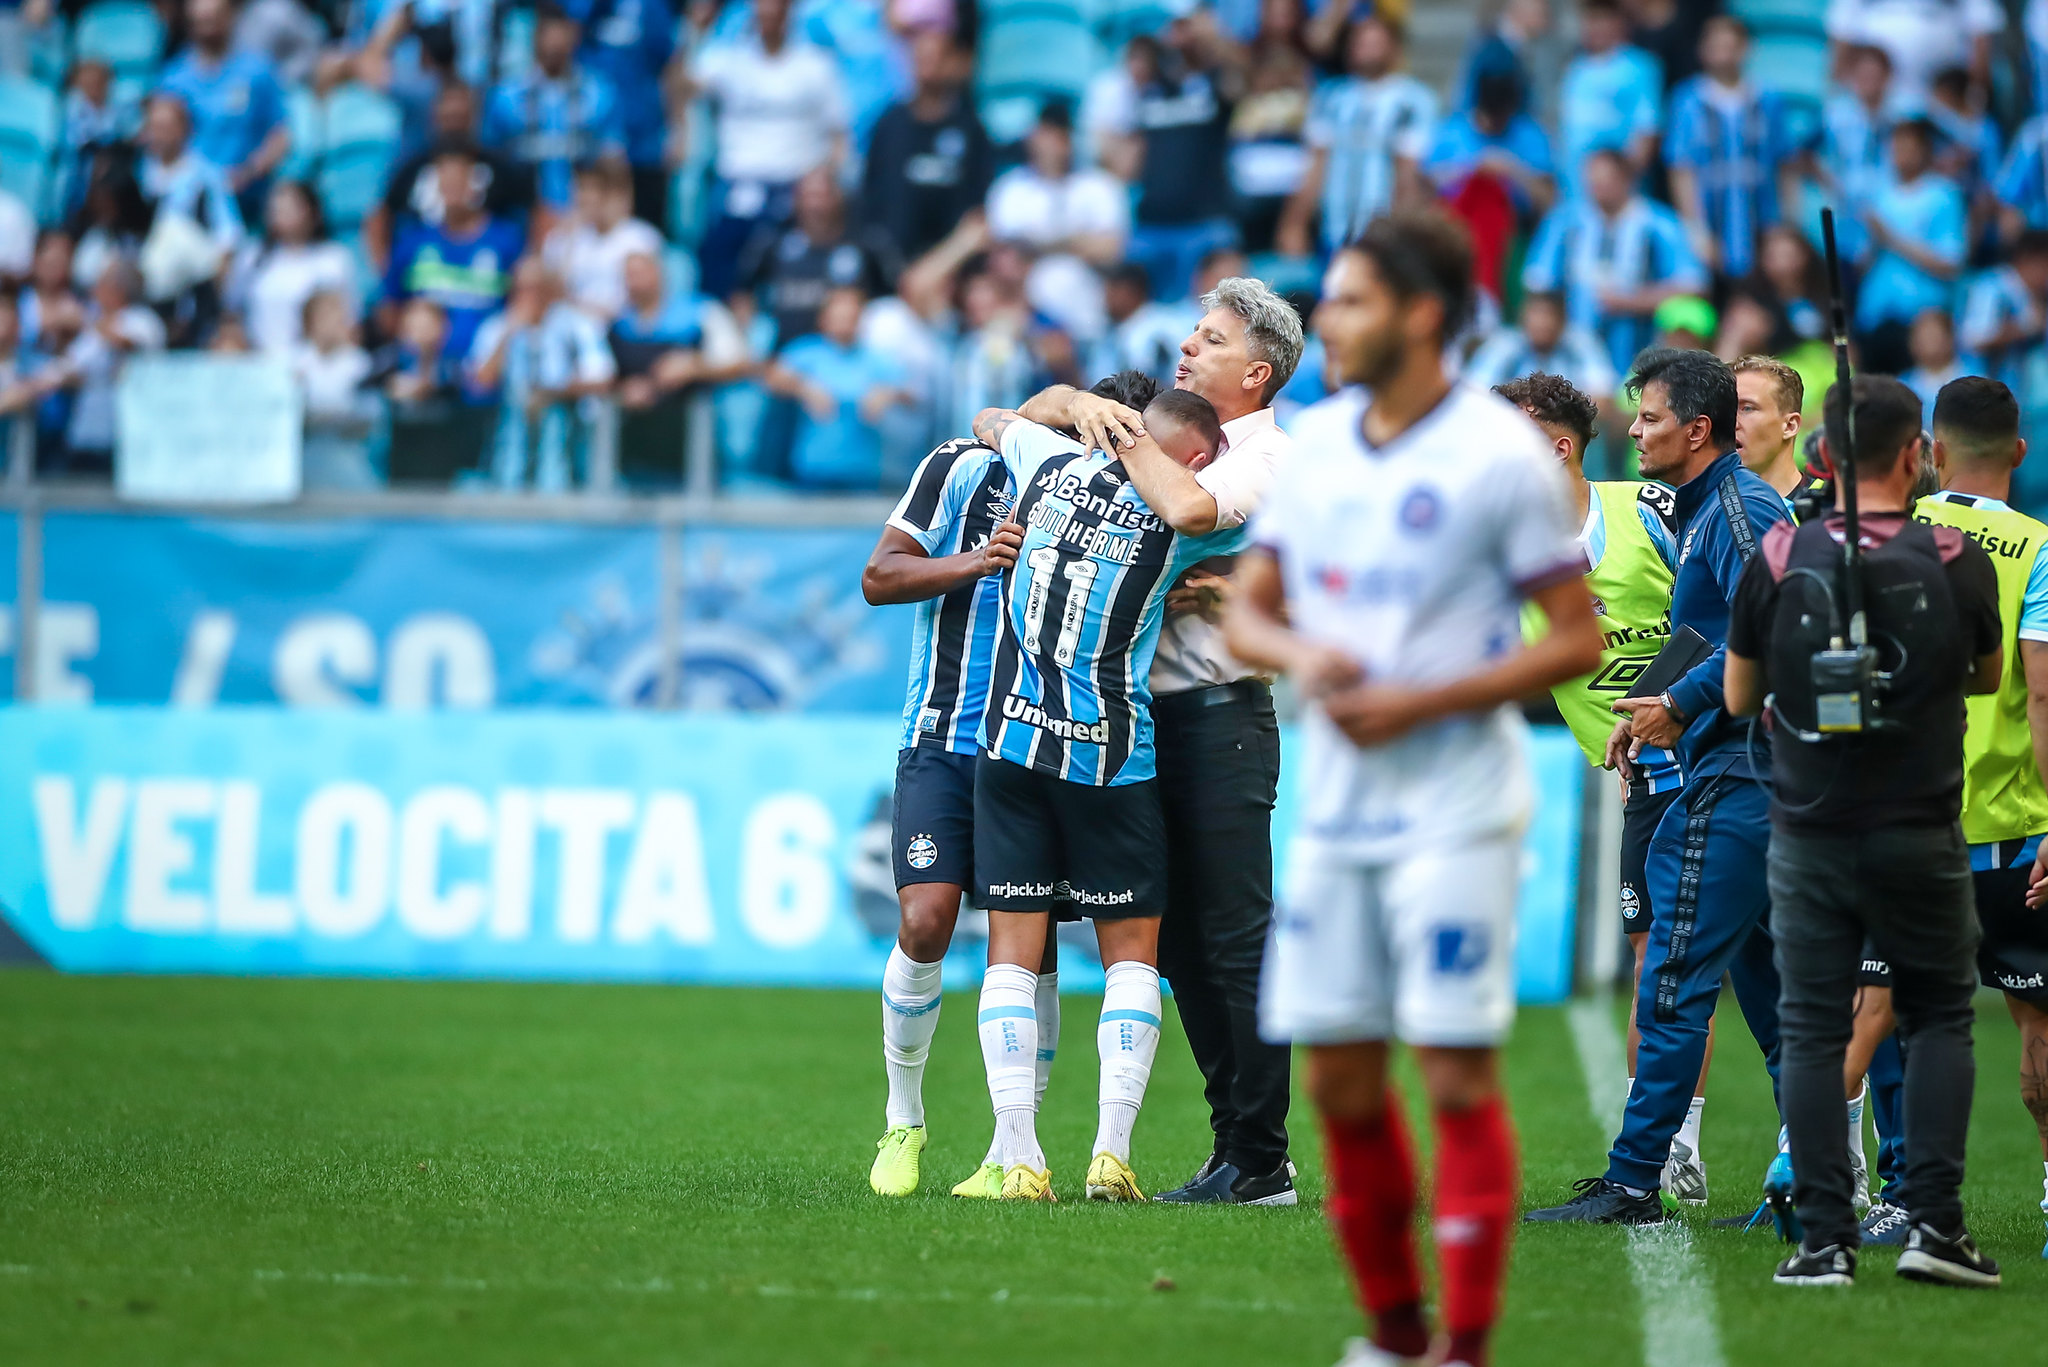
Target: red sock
[[1475, 1200], [1372, 1206]]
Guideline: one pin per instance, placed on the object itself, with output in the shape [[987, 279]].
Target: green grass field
[[229, 1171]]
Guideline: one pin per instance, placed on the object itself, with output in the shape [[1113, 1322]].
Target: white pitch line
[[1671, 1281]]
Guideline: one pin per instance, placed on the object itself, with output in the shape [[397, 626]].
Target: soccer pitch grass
[[311, 1172]]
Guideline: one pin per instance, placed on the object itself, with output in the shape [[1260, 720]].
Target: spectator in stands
[[17, 240], [556, 115], [1968, 148], [663, 344], [1932, 343], [1492, 138], [49, 282], [1612, 96], [588, 250], [118, 325], [995, 363], [94, 120], [234, 99], [1268, 128], [792, 270], [781, 111], [2005, 312], [194, 223], [414, 191], [1731, 151], [1544, 343], [286, 34], [463, 262], [16, 397], [1144, 333], [543, 357], [112, 220], [1367, 135], [1855, 124], [1670, 33], [2022, 185], [1182, 116], [1918, 231], [1790, 275], [844, 390], [331, 370], [929, 159], [1109, 119], [1502, 49], [1075, 220], [1920, 39], [1616, 256], [273, 279], [176, 178], [629, 43], [416, 369]]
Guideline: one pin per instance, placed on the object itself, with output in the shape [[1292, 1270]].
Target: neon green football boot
[[985, 1185], [896, 1165]]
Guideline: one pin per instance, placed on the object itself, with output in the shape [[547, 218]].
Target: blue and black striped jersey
[[959, 495], [1072, 695]]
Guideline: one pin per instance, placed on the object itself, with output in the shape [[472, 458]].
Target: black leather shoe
[[1834, 1265], [1601, 1202]]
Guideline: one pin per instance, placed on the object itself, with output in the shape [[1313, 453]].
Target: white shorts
[[1419, 948]]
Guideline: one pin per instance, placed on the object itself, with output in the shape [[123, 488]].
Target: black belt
[[1213, 695]]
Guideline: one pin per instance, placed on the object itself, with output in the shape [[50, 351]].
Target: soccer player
[[2005, 747], [1391, 562], [1769, 396], [1064, 791], [942, 549], [1706, 861], [1625, 534]]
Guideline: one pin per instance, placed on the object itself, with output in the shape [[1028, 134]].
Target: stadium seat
[[1040, 55], [1119, 21], [358, 141], [125, 34], [30, 124], [1794, 64]]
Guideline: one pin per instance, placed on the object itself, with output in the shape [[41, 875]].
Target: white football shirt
[[1414, 557]]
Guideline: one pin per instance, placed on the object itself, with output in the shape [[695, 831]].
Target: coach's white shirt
[[1414, 557], [1191, 650]]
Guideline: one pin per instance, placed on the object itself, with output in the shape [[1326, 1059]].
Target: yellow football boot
[[896, 1165], [1111, 1179], [1022, 1183]]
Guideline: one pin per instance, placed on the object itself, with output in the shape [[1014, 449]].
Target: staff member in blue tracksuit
[[1708, 898]]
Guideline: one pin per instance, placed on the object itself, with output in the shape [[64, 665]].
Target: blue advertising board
[[414, 613], [507, 844]]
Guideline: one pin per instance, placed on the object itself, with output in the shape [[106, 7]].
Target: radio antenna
[[1844, 460]]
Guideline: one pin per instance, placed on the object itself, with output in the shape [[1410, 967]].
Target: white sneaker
[[1859, 1172], [1684, 1180], [1366, 1353]]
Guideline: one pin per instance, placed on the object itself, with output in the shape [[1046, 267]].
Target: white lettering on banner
[[665, 887], [208, 642], [159, 852], [443, 646], [362, 815], [238, 908], [65, 634], [584, 818], [77, 859], [428, 910], [512, 866], [786, 879], [319, 657]]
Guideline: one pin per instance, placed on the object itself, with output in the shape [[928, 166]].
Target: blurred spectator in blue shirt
[[1853, 161], [543, 357], [236, 103], [1544, 342], [1730, 151], [629, 43], [1615, 255], [414, 192], [2005, 311], [1492, 137], [844, 389], [1919, 234], [463, 263], [2022, 185], [1502, 49], [1932, 344], [1968, 147], [558, 114], [194, 226], [664, 343], [94, 120], [1612, 95]]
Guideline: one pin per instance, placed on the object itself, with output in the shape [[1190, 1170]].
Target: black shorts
[[1038, 838], [2013, 956], [931, 825], [1640, 813]]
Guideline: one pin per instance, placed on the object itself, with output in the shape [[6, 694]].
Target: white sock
[[1689, 1128], [1046, 1002], [1856, 1126], [1127, 1039], [1009, 1050], [910, 1015]]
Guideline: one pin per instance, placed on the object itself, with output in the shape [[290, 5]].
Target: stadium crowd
[[480, 234]]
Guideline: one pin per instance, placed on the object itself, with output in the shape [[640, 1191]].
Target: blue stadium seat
[[125, 34], [1781, 16], [30, 124], [1038, 55], [1792, 63], [1119, 21], [359, 138]]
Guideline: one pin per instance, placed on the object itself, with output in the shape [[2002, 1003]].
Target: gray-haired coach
[[1218, 744]]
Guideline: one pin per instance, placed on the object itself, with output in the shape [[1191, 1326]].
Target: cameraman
[[1865, 841]]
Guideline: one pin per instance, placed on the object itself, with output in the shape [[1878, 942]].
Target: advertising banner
[[527, 845]]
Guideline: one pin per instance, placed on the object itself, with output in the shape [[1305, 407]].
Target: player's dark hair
[[1555, 402], [1977, 413], [1422, 251], [1887, 417], [1186, 406], [1698, 382], [1131, 388]]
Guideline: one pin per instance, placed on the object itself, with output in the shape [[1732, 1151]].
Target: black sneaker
[[1760, 1218], [1275, 1188], [1209, 1186], [1834, 1265], [1887, 1224], [1932, 1257], [1601, 1202]]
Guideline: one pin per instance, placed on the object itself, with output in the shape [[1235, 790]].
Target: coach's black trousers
[[1219, 769]]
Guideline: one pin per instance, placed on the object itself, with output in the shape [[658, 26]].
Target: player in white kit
[[1388, 570]]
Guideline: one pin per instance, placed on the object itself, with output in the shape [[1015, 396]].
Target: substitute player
[[942, 549], [1064, 792], [1625, 534], [1390, 566], [1768, 398]]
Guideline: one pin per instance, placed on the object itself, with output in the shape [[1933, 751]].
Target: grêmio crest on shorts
[[1082, 612]]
